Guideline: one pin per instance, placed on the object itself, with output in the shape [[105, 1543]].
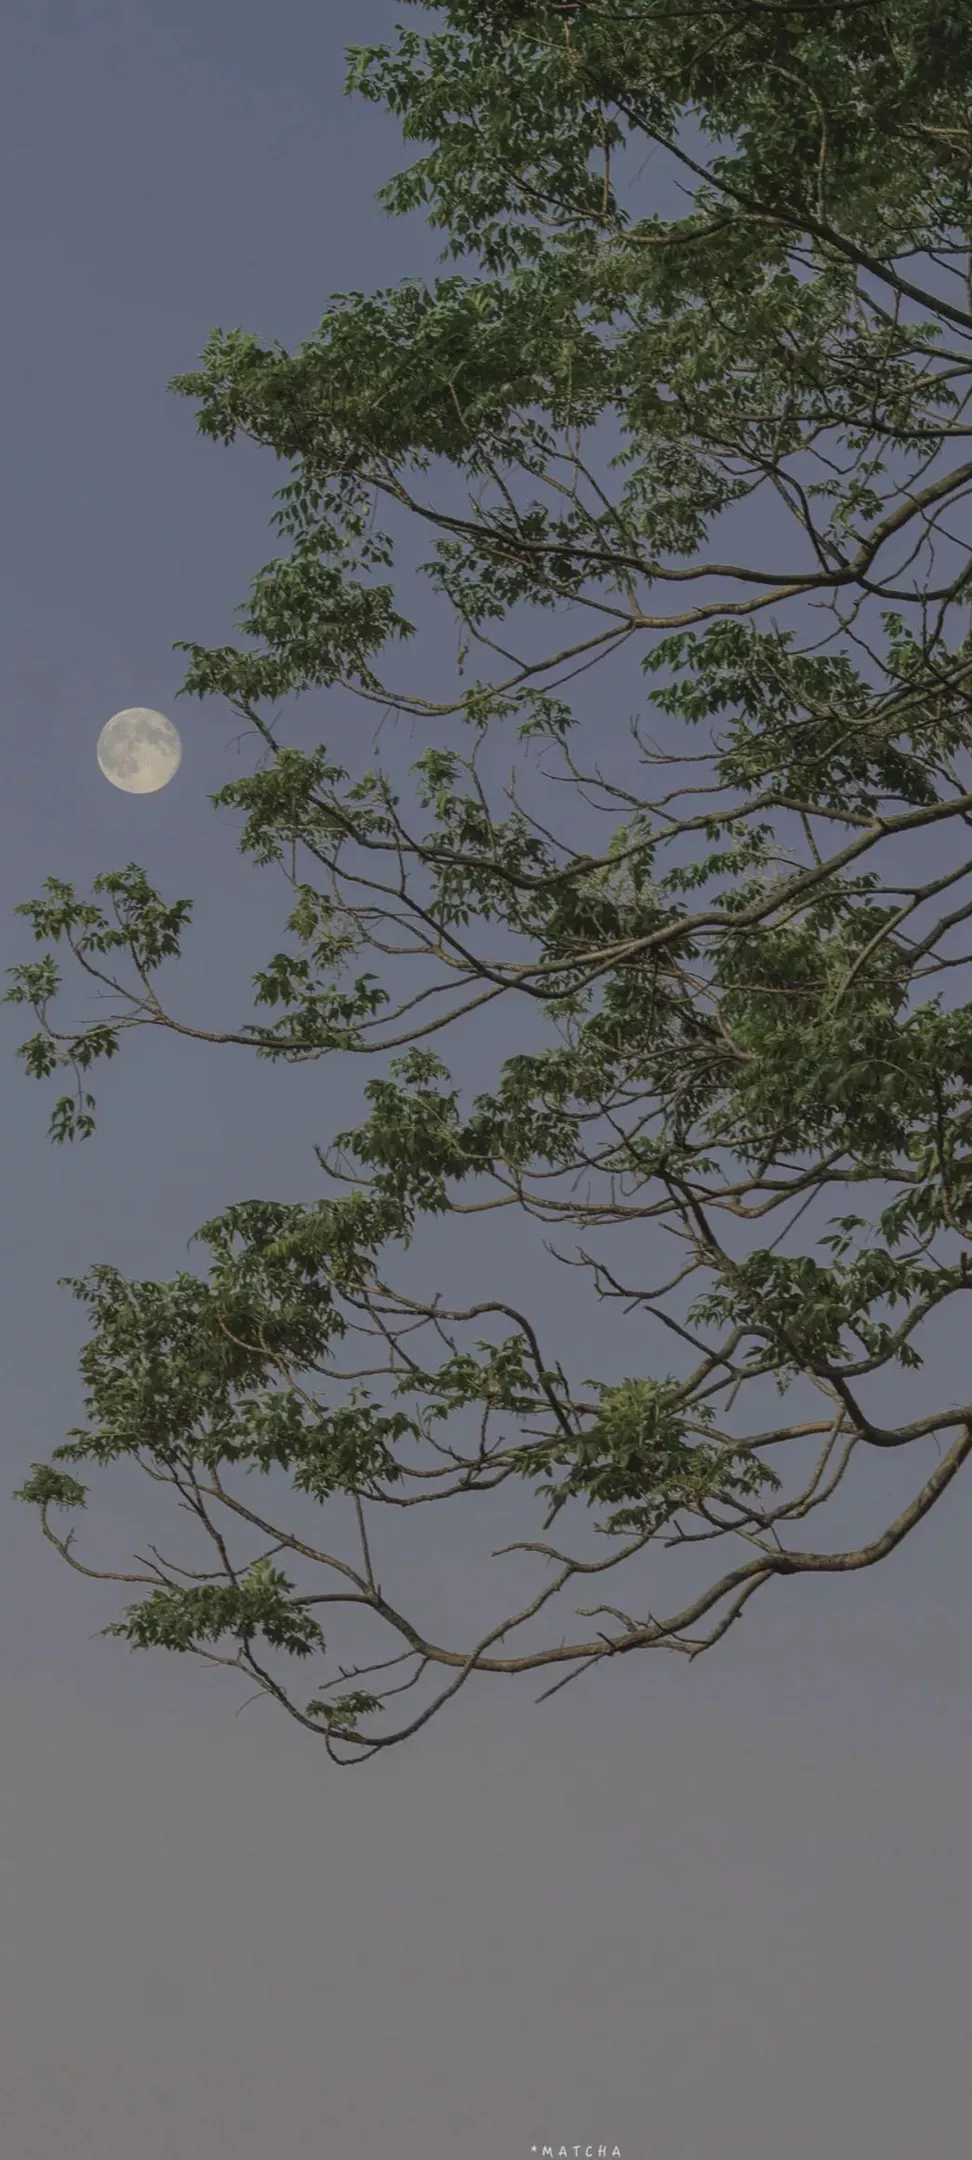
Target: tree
[[743, 966]]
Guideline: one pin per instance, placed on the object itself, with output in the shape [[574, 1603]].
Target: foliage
[[742, 1005]]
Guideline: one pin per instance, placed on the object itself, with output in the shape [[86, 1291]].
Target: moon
[[139, 750]]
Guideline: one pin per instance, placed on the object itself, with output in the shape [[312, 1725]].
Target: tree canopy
[[733, 958]]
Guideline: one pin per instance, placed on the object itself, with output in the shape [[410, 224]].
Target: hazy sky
[[718, 1913]]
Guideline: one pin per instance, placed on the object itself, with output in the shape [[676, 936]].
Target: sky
[[707, 1913]]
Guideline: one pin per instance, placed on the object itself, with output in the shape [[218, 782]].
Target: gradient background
[[717, 1913]]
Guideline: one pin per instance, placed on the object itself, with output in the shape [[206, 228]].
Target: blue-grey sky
[[707, 1913]]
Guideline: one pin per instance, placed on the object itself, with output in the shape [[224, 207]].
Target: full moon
[[139, 750]]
